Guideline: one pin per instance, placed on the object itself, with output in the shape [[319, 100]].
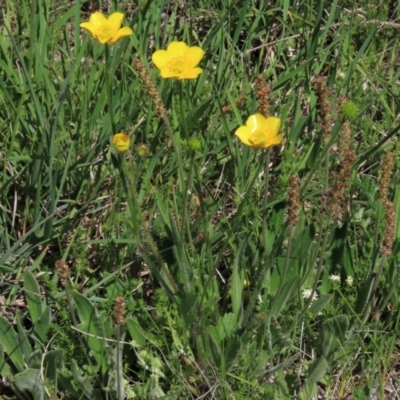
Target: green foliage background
[[212, 275]]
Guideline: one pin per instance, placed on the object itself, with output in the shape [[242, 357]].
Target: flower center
[[105, 31], [259, 138], [176, 65]]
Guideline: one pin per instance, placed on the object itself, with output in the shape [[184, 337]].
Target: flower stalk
[[168, 282], [109, 90]]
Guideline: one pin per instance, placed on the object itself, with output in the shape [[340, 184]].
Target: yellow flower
[[121, 142], [179, 61], [106, 30], [260, 131]]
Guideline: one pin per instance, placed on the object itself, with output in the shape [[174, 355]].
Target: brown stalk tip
[[262, 92], [62, 269], [341, 184], [294, 200], [387, 244], [386, 173], [326, 109], [150, 87], [119, 310]]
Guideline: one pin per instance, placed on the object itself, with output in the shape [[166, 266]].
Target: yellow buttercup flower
[[121, 142], [106, 30], [260, 131], [179, 61]]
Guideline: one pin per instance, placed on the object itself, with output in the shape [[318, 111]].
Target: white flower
[[349, 280], [307, 293], [335, 278]]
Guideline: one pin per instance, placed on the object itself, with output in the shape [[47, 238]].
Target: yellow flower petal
[[115, 20], [123, 32], [243, 133], [160, 58], [275, 140], [191, 73], [168, 73], [97, 19], [88, 26], [194, 55], [177, 49], [273, 123], [255, 121]]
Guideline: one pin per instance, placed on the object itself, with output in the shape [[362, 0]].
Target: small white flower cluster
[[349, 280], [307, 293], [335, 278]]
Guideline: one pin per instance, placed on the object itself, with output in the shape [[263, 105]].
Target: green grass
[[212, 274]]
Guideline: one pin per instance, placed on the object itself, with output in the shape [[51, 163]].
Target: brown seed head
[[386, 173], [150, 87], [387, 244], [262, 91], [119, 310], [62, 271], [341, 183], [325, 106], [294, 200]]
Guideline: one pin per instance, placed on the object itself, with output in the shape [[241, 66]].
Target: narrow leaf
[[43, 325], [284, 296], [33, 296], [9, 342]]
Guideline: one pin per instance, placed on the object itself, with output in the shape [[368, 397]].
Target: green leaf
[[237, 283], [135, 331], [338, 325], [34, 361], [30, 381], [10, 343], [43, 325], [333, 334], [364, 293], [231, 350], [226, 325], [53, 361], [316, 373], [33, 296], [318, 305], [284, 295], [91, 325], [317, 370], [214, 346], [5, 369], [23, 338]]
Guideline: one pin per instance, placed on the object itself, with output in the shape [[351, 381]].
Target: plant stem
[[374, 286], [265, 206], [119, 363], [177, 151], [75, 322], [322, 242], [187, 182], [135, 211], [108, 88]]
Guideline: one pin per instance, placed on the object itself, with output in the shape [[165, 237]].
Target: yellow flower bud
[[142, 150], [121, 142]]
